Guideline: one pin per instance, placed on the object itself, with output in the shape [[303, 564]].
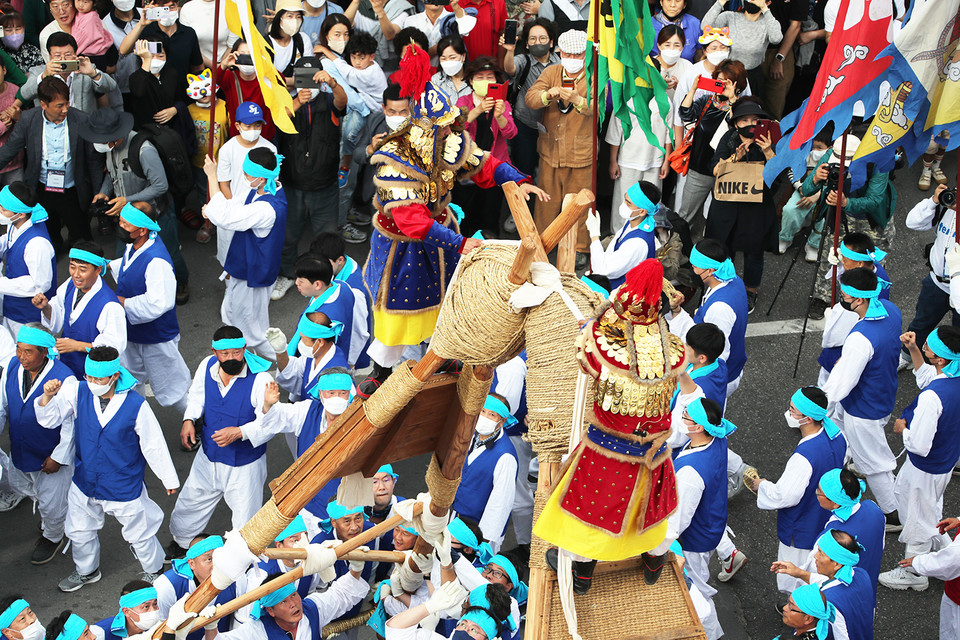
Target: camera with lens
[[833, 177], [948, 197], [100, 208]]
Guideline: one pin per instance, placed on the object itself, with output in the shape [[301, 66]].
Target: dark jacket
[[375, 124], [28, 135], [312, 155]]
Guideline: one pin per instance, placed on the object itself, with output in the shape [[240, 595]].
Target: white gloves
[[177, 617], [446, 597], [277, 339], [833, 258], [423, 562], [442, 547], [952, 260], [319, 559], [593, 224], [208, 612], [357, 565], [231, 560]]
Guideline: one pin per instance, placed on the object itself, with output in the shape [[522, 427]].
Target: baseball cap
[[249, 112]]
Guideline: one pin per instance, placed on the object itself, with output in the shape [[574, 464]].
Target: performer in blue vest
[[931, 435], [253, 258], [227, 392], [809, 614], [29, 263], [41, 458], [510, 381], [384, 496], [478, 622], [116, 436], [291, 537], [705, 376], [138, 613], [17, 616], [634, 240], [95, 316], [317, 351], [147, 289], [862, 387], [488, 481], [794, 495]]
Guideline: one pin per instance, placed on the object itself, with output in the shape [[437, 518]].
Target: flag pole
[[956, 222], [595, 90], [214, 67], [839, 212]]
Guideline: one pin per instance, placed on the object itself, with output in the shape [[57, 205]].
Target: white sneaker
[[811, 253], [904, 364], [903, 580], [730, 566], [280, 287], [9, 500], [783, 246]]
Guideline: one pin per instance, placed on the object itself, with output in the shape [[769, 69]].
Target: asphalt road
[[746, 604]]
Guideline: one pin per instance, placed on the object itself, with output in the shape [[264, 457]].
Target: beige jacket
[[568, 139]]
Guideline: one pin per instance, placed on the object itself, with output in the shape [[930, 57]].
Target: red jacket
[[484, 39]]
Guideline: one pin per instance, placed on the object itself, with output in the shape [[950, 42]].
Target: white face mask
[[290, 27], [337, 45], [316, 4], [792, 422], [246, 69], [716, 57], [33, 631], [335, 406], [101, 147], [4, 220], [304, 350], [124, 5], [169, 18], [815, 155], [670, 56], [394, 122], [98, 389], [572, 65], [148, 619], [486, 426], [313, 94], [250, 135], [451, 67], [625, 211], [156, 66]]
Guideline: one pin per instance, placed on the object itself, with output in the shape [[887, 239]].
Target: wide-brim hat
[[106, 125], [744, 108]]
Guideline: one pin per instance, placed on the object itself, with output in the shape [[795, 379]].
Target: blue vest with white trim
[[110, 465], [309, 432], [876, 392], [341, 310], [311, 614], [338, 359], [85, 328], [945, 450], [30, 444], [710, 519], [256, 259], [830, 355], [181, 586], [476, 480], [304, 585], [734, 294], [855, 601], [799, 526], [342, 566], [21, 309], [132, 282], [646, 236], [104, 626], [355, 282], [867, 524], [230, 410]]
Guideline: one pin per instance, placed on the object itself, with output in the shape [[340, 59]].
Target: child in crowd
[[798, 209], [93, 40], [199, 90]]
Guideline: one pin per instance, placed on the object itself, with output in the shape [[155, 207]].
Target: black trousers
[[64, 208]]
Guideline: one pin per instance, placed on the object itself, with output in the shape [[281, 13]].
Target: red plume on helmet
[[639, 295], [415, 71]]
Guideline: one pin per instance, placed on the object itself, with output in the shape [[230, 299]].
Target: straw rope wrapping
[[476, 325], [442, 490], [263, 527], [472, 392], [396, 393], [339, 626]]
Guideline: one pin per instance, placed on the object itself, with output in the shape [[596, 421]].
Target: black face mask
[[846, 304], [232, 367], [722, 98], [926, 358], [749, 7], [747, 132], [538, 50], [124, 236]]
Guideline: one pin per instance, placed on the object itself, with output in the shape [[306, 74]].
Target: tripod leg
[[813, 284]]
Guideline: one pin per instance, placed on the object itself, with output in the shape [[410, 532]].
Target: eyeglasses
[[494, 572], [538, 40]]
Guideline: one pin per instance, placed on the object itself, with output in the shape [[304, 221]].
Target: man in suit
[[59, 163], [88, 86]]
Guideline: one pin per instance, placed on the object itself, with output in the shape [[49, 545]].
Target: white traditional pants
[[140, 520], [867, 445], [162, 366], [247, 309], [49, 492], [919, 496], [208, 482], [785, 583], [522, 513], [949, 619], [5, 465]]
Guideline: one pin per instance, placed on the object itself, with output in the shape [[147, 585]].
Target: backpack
[[513, 90], [176, 163]]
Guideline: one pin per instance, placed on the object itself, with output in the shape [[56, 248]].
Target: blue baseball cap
[[249, 112]]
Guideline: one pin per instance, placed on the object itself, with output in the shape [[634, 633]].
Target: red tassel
[[414, 72], [645, 281]]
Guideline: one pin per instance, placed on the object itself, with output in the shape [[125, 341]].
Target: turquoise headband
[[409, 530], [942, 351], [875, 310], [492, 403], [38, 338], [478, 598], [833, 491], [641, 201], [272, 599], [229, 343], [519, 590], [459, 530], [255, 170], [875, 256], [722, 271], [809, 600], [255, 363], [10, 613], [484, 620], [812, 410], [133, 599], [334, 382], [197, 550], [335, 511], [594, 286], [310, 329], [388, 468], [106, 368], [73, 628], [295, 527], [12, 203], [833, 549], [139, 219], [86, 256], [699, 415]]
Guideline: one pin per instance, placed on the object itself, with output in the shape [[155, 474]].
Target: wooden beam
[[371, 555], [520, 268], [567, 250], [387, 442], [523, 220], [568, 217]]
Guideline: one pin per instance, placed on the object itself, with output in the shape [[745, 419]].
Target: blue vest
[[110, 465], [355, 282], [830, 355], [274, 632], [108, 633], [712, 380], [85, 328], [735, 295], [30, 444], [342, 567], [131, 282], [255, 259], [800, 525], [855, 601], [867, 526], [304, 585], [646, 236], [309, 432], [181, 585], [341, 310], [230, 410], [876, 392], [338, 359], [710, 519], [945, 450], [22, 309], [476, 480]]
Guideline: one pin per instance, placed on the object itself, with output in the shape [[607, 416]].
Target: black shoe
[[174, 552], [751, 301], [582, 571], [652, 567], [183, 293], [892, 524], [816, 309], [372, 382], [45, 550]]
